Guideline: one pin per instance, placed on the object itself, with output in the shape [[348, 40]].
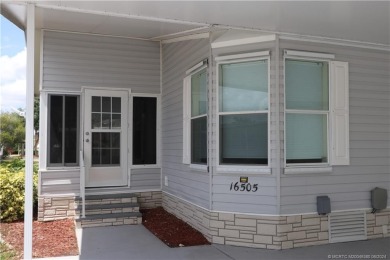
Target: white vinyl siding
[[71, 61], [183, 181]]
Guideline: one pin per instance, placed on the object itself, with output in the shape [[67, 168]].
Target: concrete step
[[113, 219], [92, 209], [108, 199]]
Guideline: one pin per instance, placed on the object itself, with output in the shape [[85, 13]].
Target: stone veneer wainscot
[[271, 232]]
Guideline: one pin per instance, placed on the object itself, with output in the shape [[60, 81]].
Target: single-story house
[[261, 124]]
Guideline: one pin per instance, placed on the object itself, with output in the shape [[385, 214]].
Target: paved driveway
[[136, 242]]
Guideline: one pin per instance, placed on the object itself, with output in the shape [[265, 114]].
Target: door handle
[[87, 140]]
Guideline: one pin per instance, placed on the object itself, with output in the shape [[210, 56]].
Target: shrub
[[12, 190]]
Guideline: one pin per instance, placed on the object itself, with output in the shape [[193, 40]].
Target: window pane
[[115, 156], [116, 120], [115, 140], [106, 104], [105, 149], [95, 157], [144, 130], [306, 138], [56, 129], [71, 136], [105, 140], [116, 104], [106, 156], [199, 140], [96, 104], [96, 120], [106, 121], [243, 86], [244, 139], [199, 93], [96, 140], [307, 85]]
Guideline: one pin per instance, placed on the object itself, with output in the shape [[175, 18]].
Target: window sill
[[60, 168], [199, 167], [308, 170], [243, 169], [145, 166]]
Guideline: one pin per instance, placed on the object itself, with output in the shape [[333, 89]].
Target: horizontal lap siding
[[59, 183], [145, 179], [349, 186], [183, 181], [264, 200], [71, 61]]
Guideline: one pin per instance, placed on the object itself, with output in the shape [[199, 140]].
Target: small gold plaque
[[244, 179]]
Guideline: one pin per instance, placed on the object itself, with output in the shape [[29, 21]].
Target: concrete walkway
[[136, 242]]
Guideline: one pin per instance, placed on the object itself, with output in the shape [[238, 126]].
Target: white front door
[[105, 137]]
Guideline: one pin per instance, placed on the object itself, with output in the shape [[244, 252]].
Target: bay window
[[316, 111], [243, 106], [195, 116], [307, 111]]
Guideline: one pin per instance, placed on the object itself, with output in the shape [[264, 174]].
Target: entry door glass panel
[[106, 112], [105, 149]]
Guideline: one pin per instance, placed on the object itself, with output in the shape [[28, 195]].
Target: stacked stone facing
[[52, 208], [109, 210], [270, 232]]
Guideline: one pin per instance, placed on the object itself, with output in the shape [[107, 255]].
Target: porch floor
[[136, 242]]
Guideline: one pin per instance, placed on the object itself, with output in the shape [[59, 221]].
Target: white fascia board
[[235, 42], [243, 56], [306, 54]]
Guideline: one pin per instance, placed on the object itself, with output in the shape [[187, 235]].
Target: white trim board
[[243, 40], [187, 37]]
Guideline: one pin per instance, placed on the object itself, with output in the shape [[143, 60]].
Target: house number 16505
[[243, 187]]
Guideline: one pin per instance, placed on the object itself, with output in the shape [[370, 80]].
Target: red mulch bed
[[171, 230], [54, 238]]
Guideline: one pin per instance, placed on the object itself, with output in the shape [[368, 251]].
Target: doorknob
[[87, 140]]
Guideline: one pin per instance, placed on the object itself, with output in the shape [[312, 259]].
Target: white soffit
[[328, 20], [240, 37], [60, 20]]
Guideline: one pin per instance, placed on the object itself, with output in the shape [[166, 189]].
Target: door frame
[[82, 130]]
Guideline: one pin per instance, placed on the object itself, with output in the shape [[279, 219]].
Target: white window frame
[[158, 132], [187, 117], [247, 169], [308, 112], [331, 132]]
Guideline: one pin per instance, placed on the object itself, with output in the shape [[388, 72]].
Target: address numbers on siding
[[243, 185]]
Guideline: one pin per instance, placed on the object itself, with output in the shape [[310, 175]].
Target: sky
[[12, 66]]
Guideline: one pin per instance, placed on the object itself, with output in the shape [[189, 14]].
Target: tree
[[36, 123], [12, 131]]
